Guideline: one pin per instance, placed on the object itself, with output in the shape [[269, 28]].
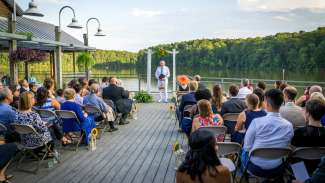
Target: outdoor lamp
[[33, 10], [74, 23], [100, 32]]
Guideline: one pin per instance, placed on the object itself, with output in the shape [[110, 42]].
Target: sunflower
[[94, 132]]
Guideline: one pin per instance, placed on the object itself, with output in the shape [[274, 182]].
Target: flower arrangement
[[179, 153], [27, 55], [143, 97]]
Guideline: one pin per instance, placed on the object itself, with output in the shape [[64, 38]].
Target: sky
[[137, 24]]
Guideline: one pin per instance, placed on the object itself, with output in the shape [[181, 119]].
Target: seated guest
[[33, 87], [260, 93], [206, 117], [72, 83], [271, 131], [49, 84], [261, 85], [16, 93], [245, 90], [290, 111], [94, 99], [277, 84], [200, 95], [201, 86], [87, 123], [304, 98], [84, 86], [314, 89], [202, 163], [318, 176], [7, 152], [189, 98], [283, 86], [320, 97], [120, 97], [234, 104], [44, 101], [90, 82], [79, 97], [246, 117], [26, 116], [313, 134], [59, 96], [218, 99], [1, 85], [24, 86], [105, 83], [7, 115], [183, 82]]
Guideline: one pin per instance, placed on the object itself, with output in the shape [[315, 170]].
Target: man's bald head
[[314, 89], [113, 81]]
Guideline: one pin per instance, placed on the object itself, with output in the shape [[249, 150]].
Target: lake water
[[132, 82]]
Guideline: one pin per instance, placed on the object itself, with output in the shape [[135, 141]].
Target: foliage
[[85, 60], [27, 55], [28, 34], [143, 97], [294, 51]]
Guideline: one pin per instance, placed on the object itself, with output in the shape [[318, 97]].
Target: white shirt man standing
[[162, 74], [244, 91]]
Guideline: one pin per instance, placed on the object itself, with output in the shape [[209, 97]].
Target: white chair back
[[91, 109], [23, 129], [227, 148], [67, 115], [216, 130], [46, 113], [271, 153], [230, 116], [309, 153]]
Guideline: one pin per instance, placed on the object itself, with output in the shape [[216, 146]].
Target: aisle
[[139, 152]]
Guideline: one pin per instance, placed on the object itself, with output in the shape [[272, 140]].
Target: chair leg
[[79, 141], [244, 175]]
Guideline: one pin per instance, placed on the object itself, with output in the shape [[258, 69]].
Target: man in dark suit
[[188, 99], [234, 104], [120, 98]]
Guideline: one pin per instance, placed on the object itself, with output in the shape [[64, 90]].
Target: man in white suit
[[162, 75]]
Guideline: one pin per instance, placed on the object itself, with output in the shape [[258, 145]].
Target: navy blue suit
[[187, 99]]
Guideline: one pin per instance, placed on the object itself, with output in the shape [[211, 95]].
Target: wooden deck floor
[[139, 152]]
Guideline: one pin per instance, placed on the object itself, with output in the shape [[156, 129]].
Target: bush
[[143, 97]]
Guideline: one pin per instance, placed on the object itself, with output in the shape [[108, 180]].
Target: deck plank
[[139, 152]]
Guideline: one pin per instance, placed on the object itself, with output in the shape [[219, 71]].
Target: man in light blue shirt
[[7, 114], [94, 99], [271, 131]]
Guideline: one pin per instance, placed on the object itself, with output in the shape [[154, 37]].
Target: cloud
[[145, 13], [282, 18], [282, 5]]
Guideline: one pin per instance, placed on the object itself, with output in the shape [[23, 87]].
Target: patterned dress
[[213, 120], [33, 119]]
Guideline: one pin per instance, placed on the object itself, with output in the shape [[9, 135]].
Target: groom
[[162, 75]]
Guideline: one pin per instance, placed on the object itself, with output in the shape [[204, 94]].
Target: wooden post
[[149, 52], [13, 70], [26, 71], [51, 64], [74, 64], [58, 59]]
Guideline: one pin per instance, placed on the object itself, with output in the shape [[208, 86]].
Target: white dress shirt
[[267, 132], [243, 92]]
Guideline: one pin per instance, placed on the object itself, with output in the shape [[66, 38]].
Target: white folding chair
[[309, 153], [63, 114], [3, 128], [230, 148], [93, 110], [47, 115], [217, 131], [268, 154], [27, 150]]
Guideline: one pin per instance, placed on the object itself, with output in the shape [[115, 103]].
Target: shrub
[[143, 97]]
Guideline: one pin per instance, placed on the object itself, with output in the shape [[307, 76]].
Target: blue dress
[[250, 116], [323, 120], [70, 125]]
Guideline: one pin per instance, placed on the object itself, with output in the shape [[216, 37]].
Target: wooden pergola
[[33, 34]]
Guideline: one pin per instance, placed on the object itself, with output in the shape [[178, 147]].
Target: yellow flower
[[176, 146], [94, 132]]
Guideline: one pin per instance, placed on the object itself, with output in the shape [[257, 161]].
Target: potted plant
[[86, 60]]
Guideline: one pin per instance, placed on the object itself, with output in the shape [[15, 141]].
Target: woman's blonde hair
[[26, 101], [205, 109], [69, 93], [317, 96]]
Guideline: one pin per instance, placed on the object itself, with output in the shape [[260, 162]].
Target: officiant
[[162, 75]]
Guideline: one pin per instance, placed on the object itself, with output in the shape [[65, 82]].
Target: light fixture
[[33, 10], [100, 32], [74, 24]]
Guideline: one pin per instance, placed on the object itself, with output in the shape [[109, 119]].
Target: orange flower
[[183, 79]]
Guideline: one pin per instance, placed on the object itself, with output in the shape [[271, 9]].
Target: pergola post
[[149, 53], [26, 70], [74, 64], [13, 70], [58, 60], [174, 53]]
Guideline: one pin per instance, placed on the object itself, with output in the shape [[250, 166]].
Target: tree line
[[294, 51]]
